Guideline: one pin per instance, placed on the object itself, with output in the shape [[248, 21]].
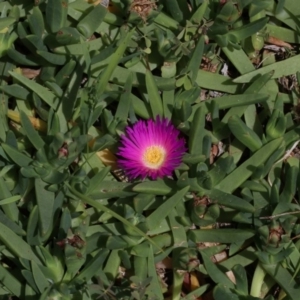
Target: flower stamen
[[154, 157]]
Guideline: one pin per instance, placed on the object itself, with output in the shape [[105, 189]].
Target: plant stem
[[177, 285]]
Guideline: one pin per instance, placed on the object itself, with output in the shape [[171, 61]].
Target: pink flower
[[151, 148]]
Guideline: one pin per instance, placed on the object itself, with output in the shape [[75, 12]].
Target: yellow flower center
[[154, 157]]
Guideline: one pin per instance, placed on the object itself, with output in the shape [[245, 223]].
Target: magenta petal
[[144, 134]]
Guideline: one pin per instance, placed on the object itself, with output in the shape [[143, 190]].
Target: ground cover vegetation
[[149, 149]]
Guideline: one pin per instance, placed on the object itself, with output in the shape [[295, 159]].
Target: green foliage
[[74, 74]]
